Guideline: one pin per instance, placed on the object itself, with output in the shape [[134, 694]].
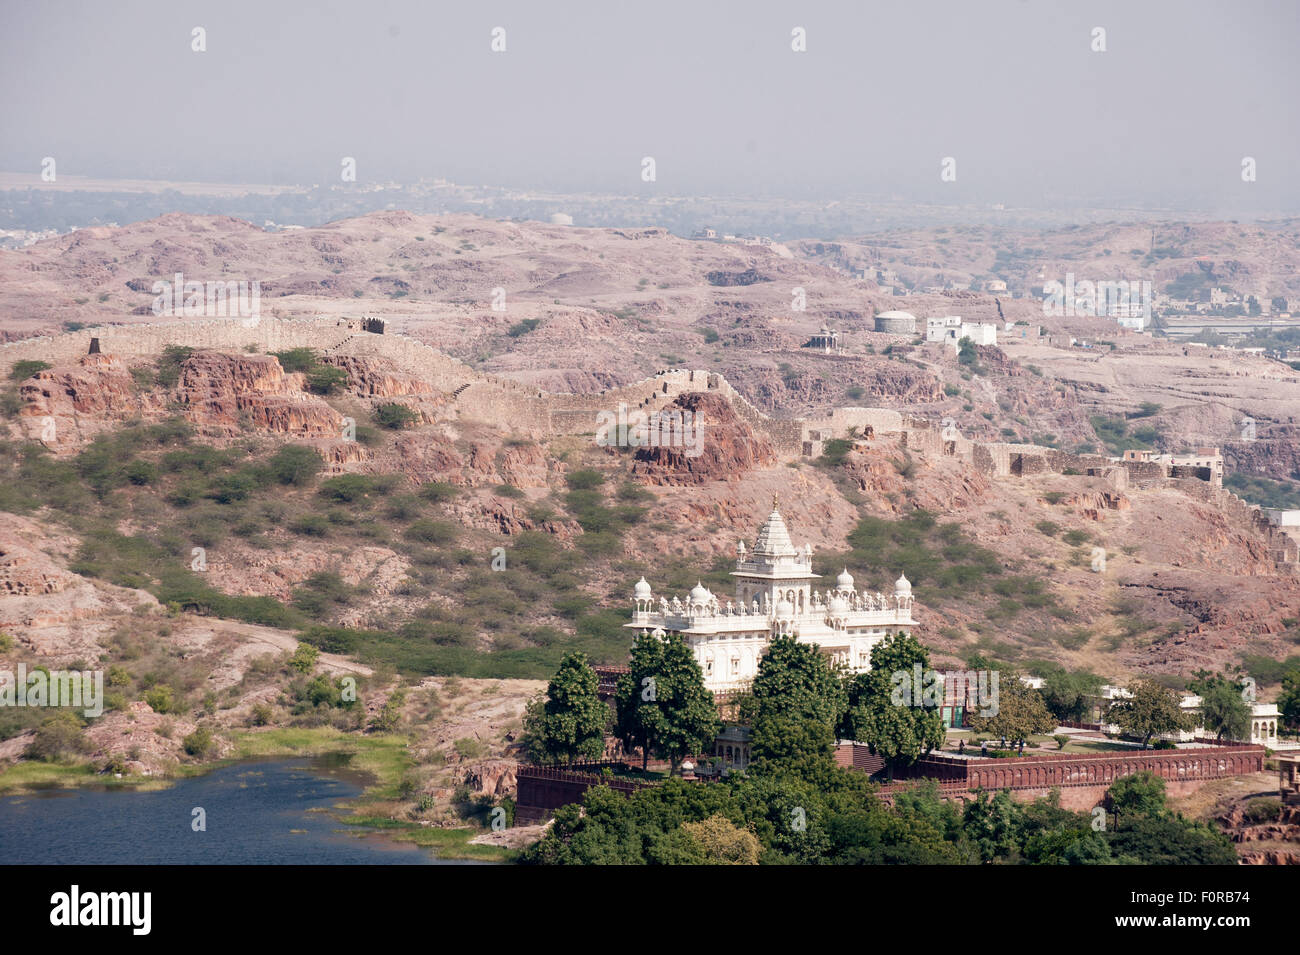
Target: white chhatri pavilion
[[774, 597]]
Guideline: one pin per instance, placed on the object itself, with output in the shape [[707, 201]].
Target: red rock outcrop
[[40, 595], [226, 394], [720, 445], [65, 406], [339, 453], [493, 778], [428, 457], [509, 517], [378, 377], [524, 465], [25, 573], [481, 466], [1091, 504]]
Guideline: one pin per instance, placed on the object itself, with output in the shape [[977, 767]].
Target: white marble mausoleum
[[774, 597]]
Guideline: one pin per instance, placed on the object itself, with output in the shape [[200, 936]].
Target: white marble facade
[[774, 597]]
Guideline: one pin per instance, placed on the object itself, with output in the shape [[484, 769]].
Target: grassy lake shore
[[379, 761]]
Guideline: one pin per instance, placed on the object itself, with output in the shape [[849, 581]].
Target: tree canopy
[[1289, 701], [1224, 710], [1067, 694], [569, 722], [1018, 711], [1152, 710], [662, 705], [840, 820], [900, 728], [795, 680]]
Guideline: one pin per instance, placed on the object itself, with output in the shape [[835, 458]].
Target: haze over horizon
[[1012, 91]]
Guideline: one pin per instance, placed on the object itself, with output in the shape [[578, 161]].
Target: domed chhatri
[[774, 597]]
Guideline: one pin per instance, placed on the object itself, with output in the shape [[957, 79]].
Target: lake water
[[258, 813]]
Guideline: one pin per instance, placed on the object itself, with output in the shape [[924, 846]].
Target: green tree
[[1017, 712], [722, 842], [326, 379], [27, 367], [637, 719], [199, 743], [57, 738], [1140, 794], [1053, 836], [967, 355], [1289, 701], [389, 716], [1090, 849], [662, 704], [169, 364], [295, 464], [1150, 711], [1171, 840], [896, 726], [690, 723], [296, 359], [782, 744], [796, 680], [304, 658], [569, 722], [396, 416], [160, 699], [1067, 694], [993, 824], [1224, 710]]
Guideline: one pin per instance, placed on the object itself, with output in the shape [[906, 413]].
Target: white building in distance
[[980, 333], [774, 597], [951, 329], [937, 328]]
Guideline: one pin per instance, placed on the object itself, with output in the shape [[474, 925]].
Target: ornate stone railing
[[740, 622]]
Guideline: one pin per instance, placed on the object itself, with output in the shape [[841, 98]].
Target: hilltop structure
[[951, 329], [826, 341], [774, 598], [895, 322]]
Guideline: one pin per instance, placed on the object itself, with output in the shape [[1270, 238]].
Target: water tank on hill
[[896, 323]]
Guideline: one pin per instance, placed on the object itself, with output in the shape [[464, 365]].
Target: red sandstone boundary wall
[[1102, 769], [543, 789], [1081, 779], [859, 757]]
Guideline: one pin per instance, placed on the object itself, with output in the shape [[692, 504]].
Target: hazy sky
[[712, 90]]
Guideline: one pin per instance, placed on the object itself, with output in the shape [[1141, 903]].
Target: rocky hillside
[[582, 310], [1257, 259], [437, 544]]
